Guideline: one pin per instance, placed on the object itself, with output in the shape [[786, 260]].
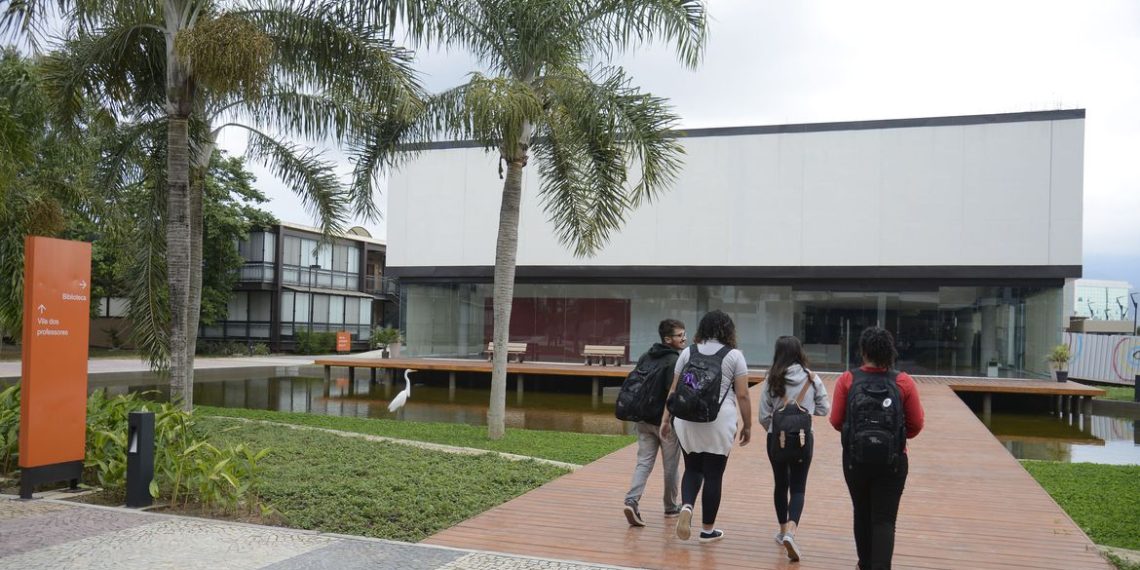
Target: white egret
[[402, 398]]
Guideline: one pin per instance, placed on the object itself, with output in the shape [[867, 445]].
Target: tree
[[44, 177], [588, 125], [176, 72]]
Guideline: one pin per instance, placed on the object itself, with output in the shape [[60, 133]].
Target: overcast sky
[[772, 62]]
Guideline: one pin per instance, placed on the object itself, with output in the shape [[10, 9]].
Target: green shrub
[[9, 428], [315, 342], [382, 337], [187, 467], [260, 349]]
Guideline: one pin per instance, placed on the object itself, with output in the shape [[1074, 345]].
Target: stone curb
[[420, 444]]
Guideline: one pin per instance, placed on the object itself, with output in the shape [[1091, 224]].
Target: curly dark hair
[[789, 351], [716, 325], [877, 346]]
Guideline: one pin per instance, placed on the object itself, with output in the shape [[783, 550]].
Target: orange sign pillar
[[53, 390], [343, 341]]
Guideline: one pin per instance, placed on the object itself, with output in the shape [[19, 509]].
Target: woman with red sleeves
[[877, 409]]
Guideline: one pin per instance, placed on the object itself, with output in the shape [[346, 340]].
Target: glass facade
[[319, 290], [941, 330]]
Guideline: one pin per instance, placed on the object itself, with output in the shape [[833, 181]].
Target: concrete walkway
[[55, 534], [96, 366]]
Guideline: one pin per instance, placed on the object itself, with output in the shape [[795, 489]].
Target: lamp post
[[312, 269]]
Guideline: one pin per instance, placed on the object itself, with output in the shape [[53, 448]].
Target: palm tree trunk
[[197, 231], [504, 291], [178, 216]]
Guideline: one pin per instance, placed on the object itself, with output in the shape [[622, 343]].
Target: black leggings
[[875, 495], [703, 470], [791, 483]]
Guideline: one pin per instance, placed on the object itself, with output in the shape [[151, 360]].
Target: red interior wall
[[557, 328]]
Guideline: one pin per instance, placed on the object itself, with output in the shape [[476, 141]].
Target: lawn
[[1104, 500], [321, 481], [567, 447], [1120, 393]]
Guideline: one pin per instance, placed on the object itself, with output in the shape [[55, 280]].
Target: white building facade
[[956, 233]]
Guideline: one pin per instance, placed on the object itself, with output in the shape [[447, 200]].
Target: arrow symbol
[[82, 284], [42, 309]]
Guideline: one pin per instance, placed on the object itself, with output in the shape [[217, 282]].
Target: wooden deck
[[968, 504]]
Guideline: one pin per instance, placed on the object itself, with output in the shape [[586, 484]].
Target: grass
[[1119, 393], [575, 448], [324, 482], [1122, 564], [1102, 499]]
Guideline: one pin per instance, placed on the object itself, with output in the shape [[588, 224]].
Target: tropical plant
[[587, 124], [44, 176], [174, 74], [9, 427], [384, 336], [188, 468], [1059, 357]]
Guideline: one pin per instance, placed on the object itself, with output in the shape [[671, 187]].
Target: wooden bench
[[603, 353], [513, 349]]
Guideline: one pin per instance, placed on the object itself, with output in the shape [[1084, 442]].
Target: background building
[[956, 233], [1102, 300], [292, 281]]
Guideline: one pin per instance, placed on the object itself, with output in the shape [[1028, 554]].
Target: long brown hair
[[789, 352]]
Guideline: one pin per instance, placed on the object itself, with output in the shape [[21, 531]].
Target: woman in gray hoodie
[[786, 379]]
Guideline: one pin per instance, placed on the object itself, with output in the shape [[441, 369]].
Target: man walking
[[660, 360]]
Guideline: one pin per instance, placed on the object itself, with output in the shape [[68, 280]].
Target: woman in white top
[[705, 446]]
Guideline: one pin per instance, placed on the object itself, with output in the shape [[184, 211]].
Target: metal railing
[[388, 286]]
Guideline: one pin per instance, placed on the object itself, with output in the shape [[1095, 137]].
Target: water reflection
[[364, 398], [1083, 439]]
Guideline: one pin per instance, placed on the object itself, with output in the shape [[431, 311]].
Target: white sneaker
[[792, 548], [780, 538], [683, 521]]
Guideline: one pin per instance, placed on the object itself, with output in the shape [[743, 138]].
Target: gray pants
[[648, 442]]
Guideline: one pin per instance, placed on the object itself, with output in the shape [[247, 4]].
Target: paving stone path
[[55, 534]]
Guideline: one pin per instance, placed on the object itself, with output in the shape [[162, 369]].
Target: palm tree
[[587, 125], [176, 72]]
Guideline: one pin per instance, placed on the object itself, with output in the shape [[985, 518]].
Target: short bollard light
[[140, 458]]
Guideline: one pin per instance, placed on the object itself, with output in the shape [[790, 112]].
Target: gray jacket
[[815, 402]]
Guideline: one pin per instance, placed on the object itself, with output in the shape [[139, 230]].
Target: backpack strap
[[800, 397]]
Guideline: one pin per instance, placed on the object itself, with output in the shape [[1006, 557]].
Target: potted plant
[[386, 339], [1059, 361]]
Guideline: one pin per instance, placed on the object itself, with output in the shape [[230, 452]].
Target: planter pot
[[1062, 375], [992, 371]]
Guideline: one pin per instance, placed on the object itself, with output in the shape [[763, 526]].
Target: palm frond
[[145, 275], [597, 130], [623, 24], [122, 69], [340, 57], [311, 178]]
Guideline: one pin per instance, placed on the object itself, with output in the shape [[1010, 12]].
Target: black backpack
[[697, 395], [790, 437], [642, 394], [874, 428]]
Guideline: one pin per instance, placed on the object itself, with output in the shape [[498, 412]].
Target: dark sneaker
[[632, 514], [792, 548], [670, 513], [711, 536], [684, 519]]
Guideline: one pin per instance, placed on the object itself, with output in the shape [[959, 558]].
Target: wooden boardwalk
[[968, 504]]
